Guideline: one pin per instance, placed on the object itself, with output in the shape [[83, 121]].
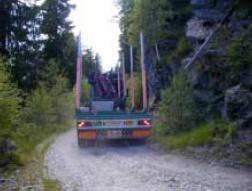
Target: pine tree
[[59, 43]]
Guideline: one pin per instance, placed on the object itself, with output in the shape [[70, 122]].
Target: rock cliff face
[[210, 78]]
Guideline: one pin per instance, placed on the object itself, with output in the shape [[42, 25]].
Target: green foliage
[[196, 137], [91, 62], [243, 9], [48, 109], [51, 185], [9, 112], [85, 90], [246, 150], [60, 43], [9, 101], [205, 135], [30, 36], [49, 103], [177, 110], [239, 52], [182, 50], [39, 108], [149, 17], [22, 26], [155, 18]]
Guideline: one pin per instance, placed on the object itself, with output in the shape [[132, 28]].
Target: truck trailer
[[104, 116]]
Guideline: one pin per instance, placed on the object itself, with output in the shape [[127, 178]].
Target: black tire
[[85, 143], [139, 142]]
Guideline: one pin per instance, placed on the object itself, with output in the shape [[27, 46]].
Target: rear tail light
[[145, 122], [81, 124]]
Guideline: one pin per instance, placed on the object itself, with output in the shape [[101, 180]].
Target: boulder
[[246, 78], [238, 106], [196, 29], [7, 146]]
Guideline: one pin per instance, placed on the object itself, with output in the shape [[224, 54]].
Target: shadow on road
[[114, 143]]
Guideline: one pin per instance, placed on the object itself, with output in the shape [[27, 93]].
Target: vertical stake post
[[143, 68], [78, 75], [132, 77], [123, 73], [118, 81]]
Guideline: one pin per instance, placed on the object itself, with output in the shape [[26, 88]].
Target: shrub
[[177, 110], [9, 112], [51, 102], [9, 101], [182, 50], [47, 110], [239, 52]]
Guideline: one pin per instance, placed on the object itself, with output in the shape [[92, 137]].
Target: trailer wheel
[[80, 143], [85, 143], [140, 142]]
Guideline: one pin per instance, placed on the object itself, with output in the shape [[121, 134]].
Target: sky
[[98, 23]]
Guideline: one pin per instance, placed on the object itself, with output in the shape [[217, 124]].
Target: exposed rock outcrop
[[238, 104], [197, 29]]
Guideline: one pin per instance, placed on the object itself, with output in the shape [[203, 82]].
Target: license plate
[[113, 134], [113, 123]]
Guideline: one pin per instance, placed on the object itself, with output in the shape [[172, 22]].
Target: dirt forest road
[[135, 168]]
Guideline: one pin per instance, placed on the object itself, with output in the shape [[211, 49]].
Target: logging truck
[[106, 117]]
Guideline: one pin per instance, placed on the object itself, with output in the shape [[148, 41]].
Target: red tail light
[[81, 124], [146, 122]]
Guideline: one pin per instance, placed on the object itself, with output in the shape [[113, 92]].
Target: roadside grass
[[246, 153], [206, 134], [196, 137], [51, 185], [31, 172]]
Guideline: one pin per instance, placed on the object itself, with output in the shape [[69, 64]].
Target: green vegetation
[[51, 185], [239, 51], [246, 150], [30, 122], [182, 50], [85, 90], [178, 124], [177, 109], [213, 133], [36, 76], [9, 113], [159, 21], [46, 110]]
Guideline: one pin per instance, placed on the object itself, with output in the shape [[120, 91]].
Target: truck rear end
[[113, 125], [105, 116]]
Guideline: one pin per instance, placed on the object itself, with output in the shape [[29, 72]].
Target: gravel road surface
[[125, 167]]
